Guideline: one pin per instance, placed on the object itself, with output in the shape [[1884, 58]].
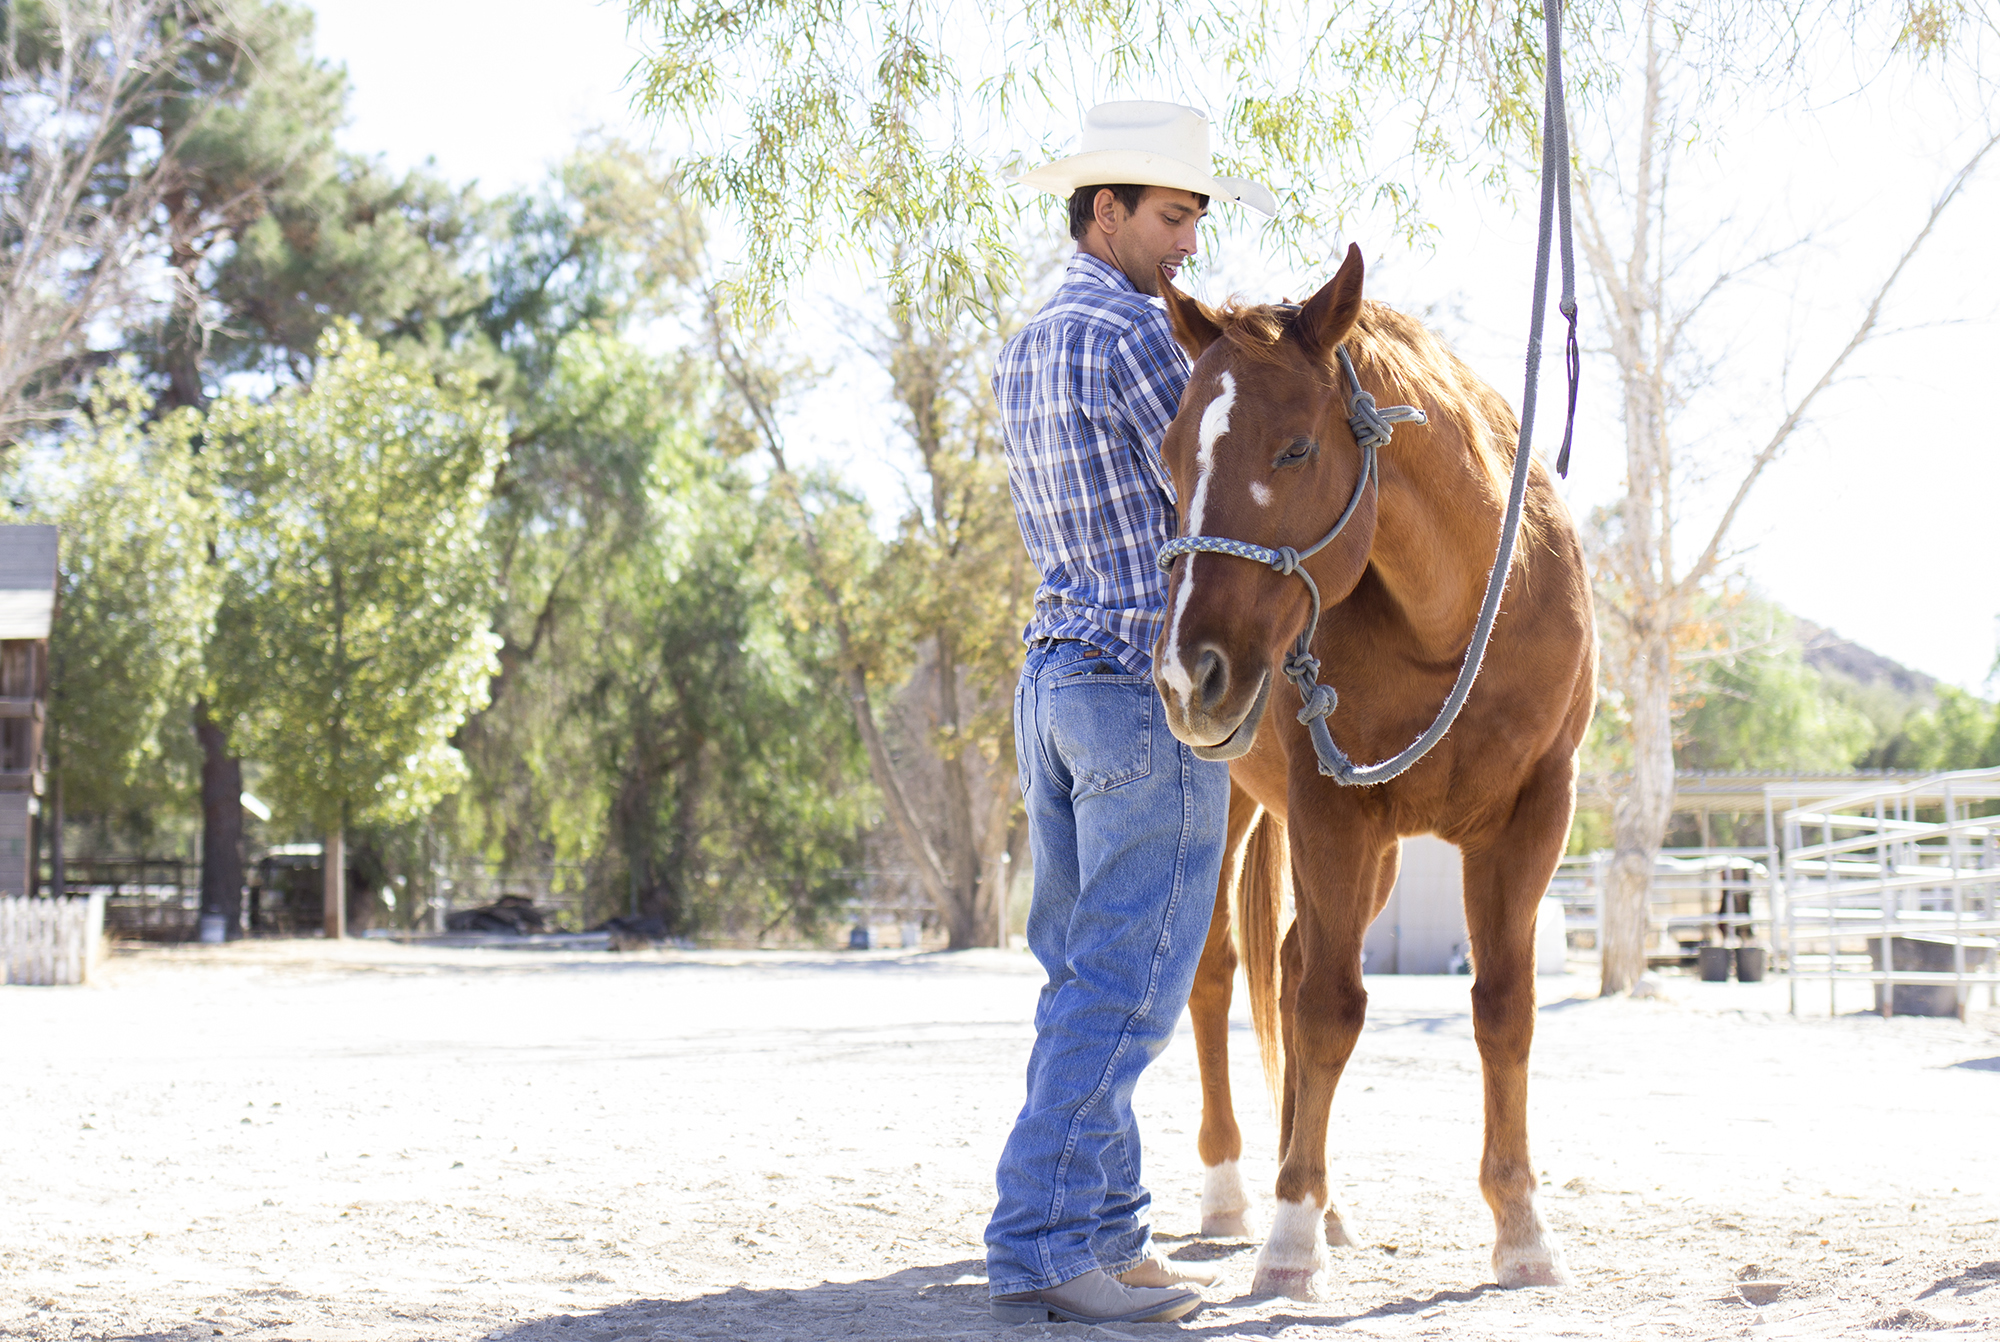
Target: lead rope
[[1371, 431], [1333, 762]]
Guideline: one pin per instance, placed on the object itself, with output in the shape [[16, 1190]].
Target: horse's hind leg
[[1504, 883], [1225, 1202]]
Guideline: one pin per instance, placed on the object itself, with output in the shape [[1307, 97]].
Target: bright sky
[[1880, 519]]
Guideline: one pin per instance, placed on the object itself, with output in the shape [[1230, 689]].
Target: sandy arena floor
[[369, 1141]]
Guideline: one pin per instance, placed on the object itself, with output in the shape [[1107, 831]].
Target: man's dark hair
[[1083, 204]]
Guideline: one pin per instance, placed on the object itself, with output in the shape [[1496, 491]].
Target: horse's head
[[1260, 452]]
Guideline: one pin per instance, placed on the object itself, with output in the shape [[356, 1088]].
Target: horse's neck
[[1436, 532]]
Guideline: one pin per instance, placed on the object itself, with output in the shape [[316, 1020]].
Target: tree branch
[[1705, 565]]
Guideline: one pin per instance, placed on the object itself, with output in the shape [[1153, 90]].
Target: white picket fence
[[50, 941]]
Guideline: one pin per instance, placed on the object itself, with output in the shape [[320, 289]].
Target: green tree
[[658, 718], [252, 111], [353, 637], [1959, 731], [596, 438], [955, 585], [341, 239], [1761, 707], [136, 595]]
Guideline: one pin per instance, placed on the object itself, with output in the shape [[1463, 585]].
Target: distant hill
[[1831, 655]]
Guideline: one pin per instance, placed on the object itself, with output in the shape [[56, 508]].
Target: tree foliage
[[1756, 705], [353, 635], [864, 127], [136, 597]]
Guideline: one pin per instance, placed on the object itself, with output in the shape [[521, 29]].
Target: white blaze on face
[[1214, 423]]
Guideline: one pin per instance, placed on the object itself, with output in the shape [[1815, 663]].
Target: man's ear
[[1193, 322], [1108, 210], [1331, 313]]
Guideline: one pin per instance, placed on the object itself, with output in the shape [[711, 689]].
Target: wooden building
[[27, 607]]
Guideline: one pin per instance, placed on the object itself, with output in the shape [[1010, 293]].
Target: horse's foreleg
[[1504, 884], [1225, 1202], [1326, 1006]]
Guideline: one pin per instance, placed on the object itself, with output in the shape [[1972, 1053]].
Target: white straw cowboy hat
[[1146, 144]]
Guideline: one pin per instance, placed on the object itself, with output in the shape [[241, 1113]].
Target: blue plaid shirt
[[1086, 391]]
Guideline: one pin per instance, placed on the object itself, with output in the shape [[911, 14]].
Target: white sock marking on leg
[[1222, 1190], [1296, 1239]]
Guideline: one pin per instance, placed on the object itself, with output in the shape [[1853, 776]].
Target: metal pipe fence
[[1897, 887], [1698, 896]]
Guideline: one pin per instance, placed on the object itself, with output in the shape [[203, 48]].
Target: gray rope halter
[[1371, 427], [1371, 431]]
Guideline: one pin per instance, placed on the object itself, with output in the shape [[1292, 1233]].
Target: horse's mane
[[1399, 361]]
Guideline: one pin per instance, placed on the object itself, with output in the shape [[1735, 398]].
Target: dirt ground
[[306, 1141]]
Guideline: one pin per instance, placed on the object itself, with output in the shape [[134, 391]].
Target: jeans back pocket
[[1102, 723]]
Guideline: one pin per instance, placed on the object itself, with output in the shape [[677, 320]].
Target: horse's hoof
[[1294, 1283], [1530, 1267], [1225, 1202], [1340, 1230], [1227, 1225]]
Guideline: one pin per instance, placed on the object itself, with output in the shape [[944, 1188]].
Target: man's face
[[1159, 234]]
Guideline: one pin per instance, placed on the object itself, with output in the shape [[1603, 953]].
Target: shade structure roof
[[27, 580]]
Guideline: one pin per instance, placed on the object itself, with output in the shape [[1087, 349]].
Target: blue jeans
[[1127, 828]]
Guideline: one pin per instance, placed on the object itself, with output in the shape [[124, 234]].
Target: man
[[1126, 824]]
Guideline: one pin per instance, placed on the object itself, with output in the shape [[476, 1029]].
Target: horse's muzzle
[[1234, 742]]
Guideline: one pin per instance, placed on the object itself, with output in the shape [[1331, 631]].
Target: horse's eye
[[1297, 450]]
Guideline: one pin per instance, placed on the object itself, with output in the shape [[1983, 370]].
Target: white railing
[[1896, 887], [45, 942], [1698, 896]]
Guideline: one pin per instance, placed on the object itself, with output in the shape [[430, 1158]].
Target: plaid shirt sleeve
[[1148, 372]]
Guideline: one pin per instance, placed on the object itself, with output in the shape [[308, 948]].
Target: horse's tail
[[1260, 896]]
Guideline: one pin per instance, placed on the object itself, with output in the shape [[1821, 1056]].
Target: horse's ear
[[1194, 324], [1331, 313]]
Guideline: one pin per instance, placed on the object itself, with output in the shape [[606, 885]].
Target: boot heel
[[1017, 1312]]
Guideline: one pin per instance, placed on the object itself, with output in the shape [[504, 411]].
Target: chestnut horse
[[1262, 452]]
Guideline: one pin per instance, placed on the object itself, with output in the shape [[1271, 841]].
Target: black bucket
[[1715, 964], [1750, 964]]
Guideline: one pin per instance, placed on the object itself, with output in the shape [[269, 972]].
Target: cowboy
[[1126, 824]]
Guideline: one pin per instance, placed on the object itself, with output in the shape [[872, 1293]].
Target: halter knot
[[1370, 429], [1285, 560], [1320, 701], [1301, 666]]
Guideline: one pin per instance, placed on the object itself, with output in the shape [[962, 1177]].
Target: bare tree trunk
[[58, 877], [221, 823], [961, 847], [333, 870], [1640, 814]]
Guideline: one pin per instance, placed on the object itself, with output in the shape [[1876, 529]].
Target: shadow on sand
[[917, 1304]]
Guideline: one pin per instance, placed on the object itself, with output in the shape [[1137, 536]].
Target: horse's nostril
[[1211, 678]]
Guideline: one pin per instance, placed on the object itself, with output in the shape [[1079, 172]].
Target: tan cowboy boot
[[1162, 1271], [1095, 1297]]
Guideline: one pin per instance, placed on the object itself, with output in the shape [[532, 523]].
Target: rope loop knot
[[1285, 560], [1369, 423], [1320, 702]]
